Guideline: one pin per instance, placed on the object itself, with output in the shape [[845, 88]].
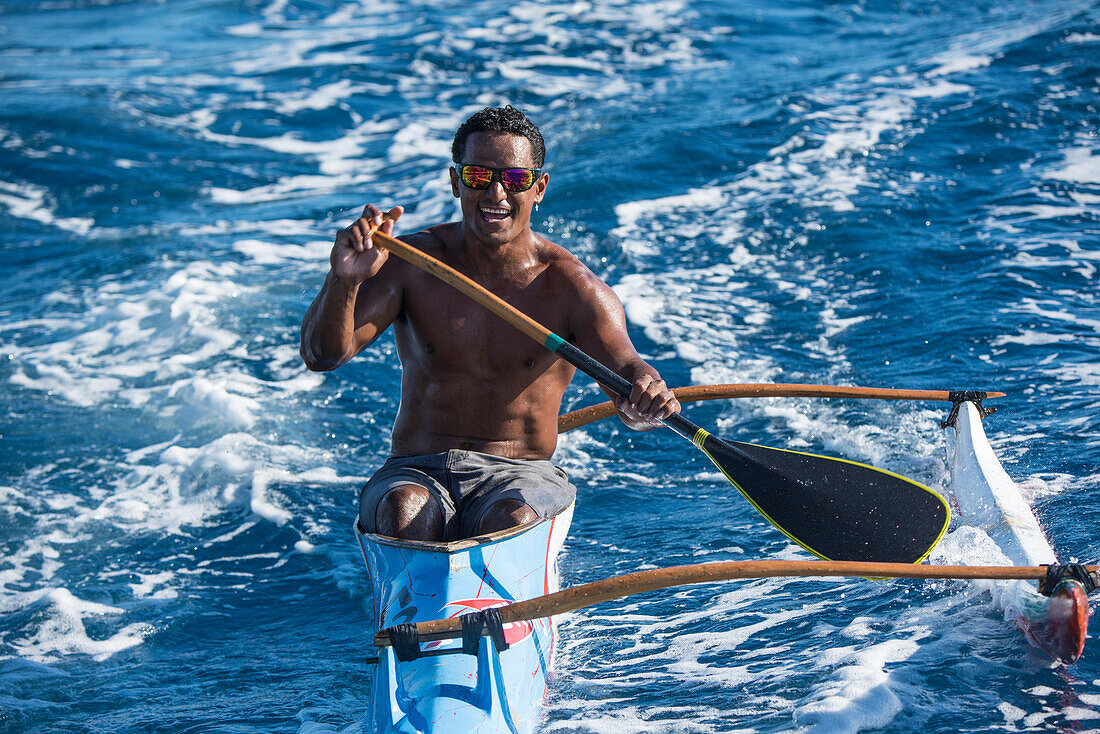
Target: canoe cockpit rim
[[454, 546]]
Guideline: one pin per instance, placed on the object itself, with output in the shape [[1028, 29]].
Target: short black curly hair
[[499, 120]]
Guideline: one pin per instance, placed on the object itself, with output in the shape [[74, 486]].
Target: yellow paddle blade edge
[[701, 436]]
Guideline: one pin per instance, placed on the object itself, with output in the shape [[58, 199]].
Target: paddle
[[834, 508], [592, 413], [596, 592]]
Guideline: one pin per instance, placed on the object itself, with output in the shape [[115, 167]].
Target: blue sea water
[[894, 194]]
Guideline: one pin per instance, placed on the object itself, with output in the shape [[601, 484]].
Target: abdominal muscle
[[496, 417]]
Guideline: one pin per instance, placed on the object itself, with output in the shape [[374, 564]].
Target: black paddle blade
[[836, 509]]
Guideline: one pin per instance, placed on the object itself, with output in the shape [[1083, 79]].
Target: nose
[[496, 191]]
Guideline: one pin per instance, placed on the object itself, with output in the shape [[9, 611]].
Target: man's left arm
[[599, 325]]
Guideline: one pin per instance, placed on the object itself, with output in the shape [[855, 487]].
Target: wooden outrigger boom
[[692, 393], [596, 592]]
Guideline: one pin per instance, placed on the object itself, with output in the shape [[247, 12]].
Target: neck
[[497, 260]]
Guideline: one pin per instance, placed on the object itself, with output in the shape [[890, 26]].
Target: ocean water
[[896, 194]]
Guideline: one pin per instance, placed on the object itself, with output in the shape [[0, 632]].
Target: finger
[[350, 237], [371, 217], [652, 399], [388, 220], [362, 235], [668, 406], [638, 389]]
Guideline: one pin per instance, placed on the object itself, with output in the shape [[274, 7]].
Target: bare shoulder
[[574, 280], [430, 241]]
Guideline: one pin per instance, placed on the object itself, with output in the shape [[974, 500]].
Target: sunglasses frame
[[497, 175]]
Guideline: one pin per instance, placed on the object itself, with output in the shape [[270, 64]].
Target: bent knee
[[409, 512], [506, 514]]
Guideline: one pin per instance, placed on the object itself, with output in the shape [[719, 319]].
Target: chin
[[496, 239], [496, 234]]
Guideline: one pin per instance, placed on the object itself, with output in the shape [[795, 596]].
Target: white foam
[[262, 502], [954, 62], [1032, 338], [1032, 212], [150, 581], [321, 98], [1083, 373], [63, 632], [936, 90], [162, 343], [269, 253], [859, 695], [631, 719], [1082, 165], [220, 396], [643, 306], [28, 201], [246, 30], [57, 380], [1041, 308], [293, 50], [283, 189]]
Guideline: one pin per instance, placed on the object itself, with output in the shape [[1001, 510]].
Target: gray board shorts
[[466, 484]]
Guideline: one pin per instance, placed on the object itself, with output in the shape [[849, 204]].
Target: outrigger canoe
[[989, 500], [495, 682], [498, 683]]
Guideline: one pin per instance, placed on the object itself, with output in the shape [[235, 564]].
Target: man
[[477, 422]]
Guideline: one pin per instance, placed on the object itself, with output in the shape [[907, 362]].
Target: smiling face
[[496, 216]]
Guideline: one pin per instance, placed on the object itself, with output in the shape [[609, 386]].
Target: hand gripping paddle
[[836, 509]]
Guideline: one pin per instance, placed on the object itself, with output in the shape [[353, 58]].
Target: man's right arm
[[359, 300]]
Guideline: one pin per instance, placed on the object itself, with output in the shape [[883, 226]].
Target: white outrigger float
[[989, 500]]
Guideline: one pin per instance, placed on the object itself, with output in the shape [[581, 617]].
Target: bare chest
[[448, 336]]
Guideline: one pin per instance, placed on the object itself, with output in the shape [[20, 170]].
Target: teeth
[[494, 211]]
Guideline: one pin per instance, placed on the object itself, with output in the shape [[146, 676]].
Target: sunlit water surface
[[897, 195]]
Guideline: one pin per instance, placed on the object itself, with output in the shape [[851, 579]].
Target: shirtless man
[[477, 422]]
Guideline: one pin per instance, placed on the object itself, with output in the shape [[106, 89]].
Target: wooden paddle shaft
[[592, 413], [471, 288], [584, 595], [548, 339]]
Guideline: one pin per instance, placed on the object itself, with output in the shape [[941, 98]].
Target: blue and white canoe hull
[[988, 499], [458, 693]]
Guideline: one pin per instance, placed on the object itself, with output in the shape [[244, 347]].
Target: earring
[[536, 206]]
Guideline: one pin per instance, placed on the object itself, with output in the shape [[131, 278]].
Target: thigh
[[538, 484], [387, 479]]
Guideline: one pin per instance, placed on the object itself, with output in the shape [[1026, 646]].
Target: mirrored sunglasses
[[512, 179]]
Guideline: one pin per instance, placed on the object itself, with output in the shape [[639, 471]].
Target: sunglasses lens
[[517, 179], [476, 177]]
